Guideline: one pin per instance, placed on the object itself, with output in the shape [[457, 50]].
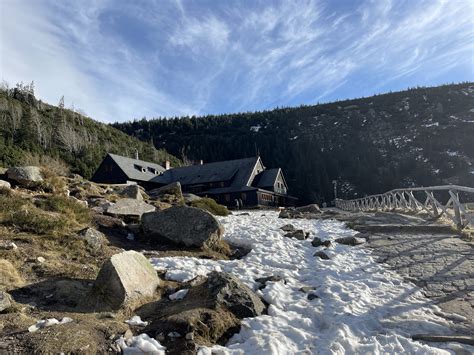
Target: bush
[[67, 206], [210, 205], [9, 276]]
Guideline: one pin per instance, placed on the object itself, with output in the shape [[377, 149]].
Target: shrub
[[210, 205], [67, 206], [9, 276]]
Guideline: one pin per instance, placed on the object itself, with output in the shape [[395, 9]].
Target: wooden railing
[[459, 200]]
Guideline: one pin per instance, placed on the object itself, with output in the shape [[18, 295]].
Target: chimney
[[136, 153], [201, 162], [167, 165]]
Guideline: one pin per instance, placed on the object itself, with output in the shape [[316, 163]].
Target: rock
[[132, 191], [322, 255], [297, 234], [8, 246], [288, 228], [107, 221], [307, 289], [227, 290], [317, 242], [170, 193], [5, 184], [182, 225], [350, 240], [313, 208], [263, 280], [312, 296], [93, 238], [5, 302], [81, 202], [188, 198], [130, 207], [284, 214], [125, 277], [25, 175], [40, 259]]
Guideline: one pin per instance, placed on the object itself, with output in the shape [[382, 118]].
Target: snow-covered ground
[[361, 306]]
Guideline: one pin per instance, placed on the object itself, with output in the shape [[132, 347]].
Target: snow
[[140, 344], [361, 306], [44, 323], [137, 321], [179, 295]]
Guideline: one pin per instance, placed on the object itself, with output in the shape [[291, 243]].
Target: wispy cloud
[[119, 60]]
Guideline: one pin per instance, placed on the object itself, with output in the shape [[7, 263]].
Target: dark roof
[[137, 169], [266, 178], [239, 171]]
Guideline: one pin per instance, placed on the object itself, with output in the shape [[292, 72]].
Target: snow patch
[[179, 295], [44, 323], [140, 344], [137, 321]]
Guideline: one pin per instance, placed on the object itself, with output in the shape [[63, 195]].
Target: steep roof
[[266, 178], [137, 169], [239, 171]]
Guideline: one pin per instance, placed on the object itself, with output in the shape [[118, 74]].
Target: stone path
[[442, 264]]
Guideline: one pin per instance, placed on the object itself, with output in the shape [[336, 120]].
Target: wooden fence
[[458, 205]]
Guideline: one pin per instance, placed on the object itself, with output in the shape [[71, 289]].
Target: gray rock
[[132, 191], [227, 290], [130, 207], [182, 225], [313, 208], [288, 228], [5, 184], [317, 242], [297, 234], [307, 289], [171, 192], [350, 241], [93, 238], [312, 296], [125, 277], [188, 198], [25, 174], [322, 255], [273, 278], [5, 302]]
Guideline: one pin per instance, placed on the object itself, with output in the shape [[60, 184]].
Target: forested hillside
[[422, 136], [33, 132]]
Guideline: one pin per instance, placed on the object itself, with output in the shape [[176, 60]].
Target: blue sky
[[118, 60]]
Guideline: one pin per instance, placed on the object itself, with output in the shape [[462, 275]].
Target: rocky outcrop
[[352, 240], [182, 225], [171, 193], [4, 184], [188, 197], [130, 207], [297, 234], [308, 212], [123, 278], [132, 191], [25, 175], [94, 239], [313, 208]]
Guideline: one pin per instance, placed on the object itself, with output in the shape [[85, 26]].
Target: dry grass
[[210, 205], [9, 276]]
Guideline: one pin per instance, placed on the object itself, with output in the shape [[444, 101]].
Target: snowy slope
[[362, 307]]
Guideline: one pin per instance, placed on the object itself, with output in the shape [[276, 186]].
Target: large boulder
[[4, 184], [182, 225], [171, 193], [132, 191], [123, 278], [130, 207], [25, 175]]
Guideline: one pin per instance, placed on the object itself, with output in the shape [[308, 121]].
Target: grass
[[50, 215], [9, 276], [210, 205]]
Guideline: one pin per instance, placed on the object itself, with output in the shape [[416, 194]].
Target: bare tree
[[61, 103], [70, 139], [184, 158]]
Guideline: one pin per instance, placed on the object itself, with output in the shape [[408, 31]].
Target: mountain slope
[[422, 136], [31, 130]]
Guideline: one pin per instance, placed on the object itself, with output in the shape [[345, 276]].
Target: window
[[227, 197], [243, 196], [152, 170], [222, 184]]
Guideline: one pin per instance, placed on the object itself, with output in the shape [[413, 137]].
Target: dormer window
[[152, 170]]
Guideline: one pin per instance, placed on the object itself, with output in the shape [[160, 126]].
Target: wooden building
[[244, 182]]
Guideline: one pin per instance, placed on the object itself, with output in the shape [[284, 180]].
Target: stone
[[317, 242], [132, 191], [5, 184], [130, 207], [297, 234], [322, 255], [107, 221], [93, 238], [312, 296], [8, 246], [188, 197], [352, 240], [228, 291], [288, 228], [183, 225], [263, 280], [40, 259], [25, 175], [125, 277], [307, 289], [5, 302], [313, 208], [168, 193]]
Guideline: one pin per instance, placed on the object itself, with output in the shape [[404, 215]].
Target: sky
[[118, 60]]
